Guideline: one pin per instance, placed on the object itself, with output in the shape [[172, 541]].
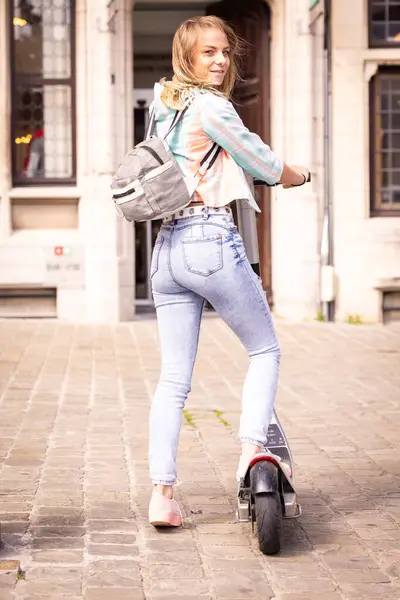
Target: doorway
[[252, 22], [154, 25]]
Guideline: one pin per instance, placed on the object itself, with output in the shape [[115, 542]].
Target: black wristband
[[300, 184]]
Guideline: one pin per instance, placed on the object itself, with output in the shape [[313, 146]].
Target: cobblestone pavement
[[74, 486]]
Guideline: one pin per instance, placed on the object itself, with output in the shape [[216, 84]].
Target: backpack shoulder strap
[[152, 122]]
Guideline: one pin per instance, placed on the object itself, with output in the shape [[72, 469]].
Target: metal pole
[[327, 233]]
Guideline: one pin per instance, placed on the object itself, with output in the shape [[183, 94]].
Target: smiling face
[[211, 56]]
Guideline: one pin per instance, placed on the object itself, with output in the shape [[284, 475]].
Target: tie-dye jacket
[[213, 118]]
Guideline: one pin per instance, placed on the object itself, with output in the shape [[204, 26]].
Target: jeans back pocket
[[203, 255], [155, 256]]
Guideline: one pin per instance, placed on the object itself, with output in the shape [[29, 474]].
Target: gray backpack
[[149, 184]]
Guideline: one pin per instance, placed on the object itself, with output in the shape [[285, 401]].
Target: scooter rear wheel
[[268, 514]]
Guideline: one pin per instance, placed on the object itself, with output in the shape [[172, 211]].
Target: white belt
[[198, 210]]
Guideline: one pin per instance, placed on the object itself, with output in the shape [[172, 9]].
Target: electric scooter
[[266, 494]]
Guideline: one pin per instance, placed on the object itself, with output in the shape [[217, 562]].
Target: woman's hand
[[294, 176]]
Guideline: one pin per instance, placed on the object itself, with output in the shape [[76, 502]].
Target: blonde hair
[[176, 91]]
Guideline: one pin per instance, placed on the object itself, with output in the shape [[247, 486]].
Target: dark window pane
[[396, 197], [395, 101], [43, 132], [395, 141], [393, 12], [384, 84], [384, 101], [385, 141], [386, 160], [395, 84], [396, 178], [378, 12], [395, 121], [385, 178], [389, 121], [42, 38], [42, 94], [394, 31], [385, 197], [384, 18], [378, 32], [395, 160]]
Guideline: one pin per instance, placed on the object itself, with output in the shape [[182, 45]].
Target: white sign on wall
[[64, 264]]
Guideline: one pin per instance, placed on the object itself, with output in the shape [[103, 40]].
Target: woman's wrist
[[294, 176], [305, 179], [303, 182]]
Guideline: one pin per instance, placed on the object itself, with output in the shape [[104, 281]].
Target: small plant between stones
[[218, 414], [189, 418], [354, 320]]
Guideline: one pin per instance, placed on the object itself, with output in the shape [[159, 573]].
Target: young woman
[[199, 254]]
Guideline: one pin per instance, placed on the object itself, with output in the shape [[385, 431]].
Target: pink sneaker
[[164, 512]]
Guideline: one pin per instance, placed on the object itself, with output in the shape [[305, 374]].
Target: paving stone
[[112, 550], [7, 581], [171, 544], [78, 486], [171, 558], [360, 576], [112, 525], [167, 596], [242, 584], [113, 538], [242, 564], [312, 596], [179, 587], [10, 570], [224, 540], [46, 543], [27, 589], [371, 591], [56, 520], [57, 556], [227, 551], [100, 565], [14, 527], [176, 572], [7, 594], [14, 516], [57, 532], [117, 577], [304, 584], [96, 593]]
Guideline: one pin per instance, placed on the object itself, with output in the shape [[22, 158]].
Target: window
[[384, 22], [43, 91], [385, 142]]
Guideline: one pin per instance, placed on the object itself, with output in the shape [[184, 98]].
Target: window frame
[[18, 181], [376, 207], [377, 43]]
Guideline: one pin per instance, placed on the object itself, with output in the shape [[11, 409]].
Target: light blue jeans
[[197, 258]]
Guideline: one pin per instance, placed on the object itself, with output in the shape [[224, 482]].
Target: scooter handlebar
[[261, 182]]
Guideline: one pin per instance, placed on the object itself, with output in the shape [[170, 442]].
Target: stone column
[[5, 121], [295, 248], [103, 94]]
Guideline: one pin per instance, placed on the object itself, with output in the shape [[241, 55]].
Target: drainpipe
[[327, 267]]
